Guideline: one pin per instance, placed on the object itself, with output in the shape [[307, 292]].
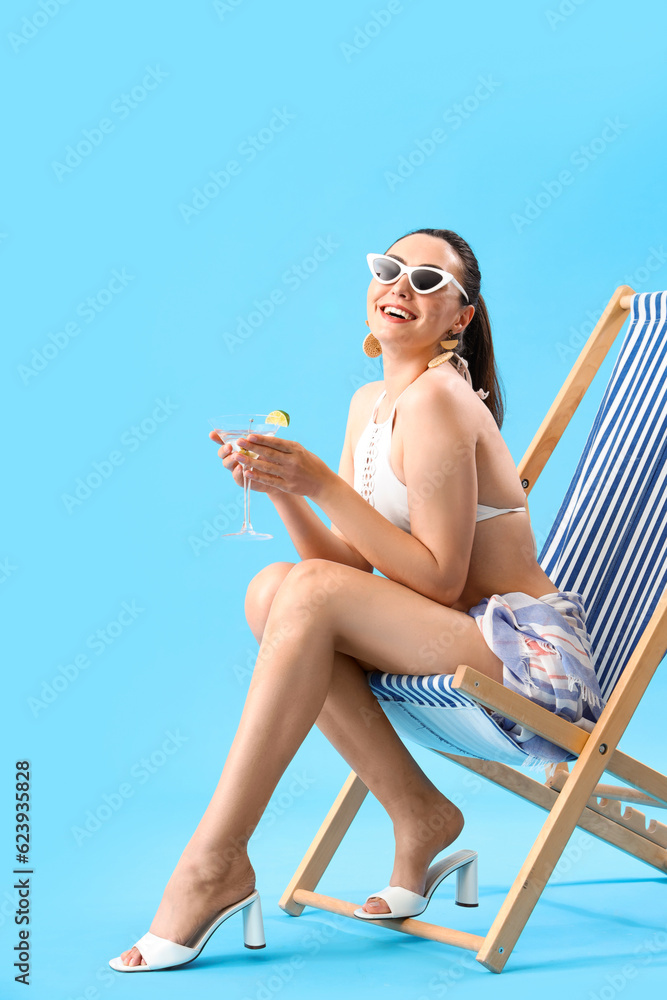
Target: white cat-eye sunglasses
[[424, 279]]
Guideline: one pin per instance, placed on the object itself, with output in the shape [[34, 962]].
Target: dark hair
[[476, 346]]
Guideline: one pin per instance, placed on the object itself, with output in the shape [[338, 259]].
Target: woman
[[405, 501]]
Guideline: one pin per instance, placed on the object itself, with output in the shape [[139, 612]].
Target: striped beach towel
[[546, 653]]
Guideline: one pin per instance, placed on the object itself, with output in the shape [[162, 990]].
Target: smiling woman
[[427, 493]]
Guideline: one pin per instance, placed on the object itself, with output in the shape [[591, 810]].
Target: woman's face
[[434, 314]]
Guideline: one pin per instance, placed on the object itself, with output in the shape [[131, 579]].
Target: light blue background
[[183, 664]]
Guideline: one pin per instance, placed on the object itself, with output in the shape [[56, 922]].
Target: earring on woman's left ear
[[448, 352]]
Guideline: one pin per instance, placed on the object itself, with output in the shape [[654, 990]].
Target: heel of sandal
[[253, 925], [466, 884]]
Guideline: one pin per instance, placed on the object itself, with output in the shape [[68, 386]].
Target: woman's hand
[[230, 461], [283, 466]]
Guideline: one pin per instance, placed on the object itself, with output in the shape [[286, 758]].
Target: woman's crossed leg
[[321, 625]]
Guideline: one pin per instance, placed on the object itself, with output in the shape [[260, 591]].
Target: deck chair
[[608, 543]]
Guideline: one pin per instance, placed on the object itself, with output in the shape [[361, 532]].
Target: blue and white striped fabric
[[427, 710], [609, 539], [608, 544]]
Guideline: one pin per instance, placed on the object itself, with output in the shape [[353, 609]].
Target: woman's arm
[[441, 477], [310, 536]]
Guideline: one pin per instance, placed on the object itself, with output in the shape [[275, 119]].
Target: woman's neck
[[399, 374]]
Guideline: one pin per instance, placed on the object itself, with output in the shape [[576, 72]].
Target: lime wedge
[[278, 417], [250, 454]]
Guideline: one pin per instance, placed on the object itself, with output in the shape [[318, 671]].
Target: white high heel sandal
[[161, 953], [404, 903]]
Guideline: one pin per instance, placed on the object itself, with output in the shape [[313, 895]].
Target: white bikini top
[[377, 482]]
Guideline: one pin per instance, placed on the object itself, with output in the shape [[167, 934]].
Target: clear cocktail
[[230, 427]]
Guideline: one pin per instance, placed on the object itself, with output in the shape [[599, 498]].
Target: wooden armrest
[[551, 727], [514, 706]]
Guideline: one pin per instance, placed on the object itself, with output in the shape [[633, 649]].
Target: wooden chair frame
[[571, 800]]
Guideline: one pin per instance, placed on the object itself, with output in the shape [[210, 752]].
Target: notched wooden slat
[[631, 818]]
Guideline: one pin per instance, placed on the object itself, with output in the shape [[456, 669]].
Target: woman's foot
[[199, 888], [425, 829]]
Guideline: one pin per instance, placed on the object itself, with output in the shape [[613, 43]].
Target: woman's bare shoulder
[[368, 389], [364, 398], [436, 388]]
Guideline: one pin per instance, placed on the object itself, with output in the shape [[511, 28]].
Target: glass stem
[[247, 526]]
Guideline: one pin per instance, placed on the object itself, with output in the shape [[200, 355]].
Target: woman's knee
[[261, 591]]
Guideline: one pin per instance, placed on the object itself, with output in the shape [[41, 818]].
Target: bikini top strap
[[398, 397], [383, 394], [377, 405]]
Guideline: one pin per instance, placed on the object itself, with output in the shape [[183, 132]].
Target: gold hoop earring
[[371, 345]]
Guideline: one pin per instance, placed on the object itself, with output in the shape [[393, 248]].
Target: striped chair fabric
[[608, 543]]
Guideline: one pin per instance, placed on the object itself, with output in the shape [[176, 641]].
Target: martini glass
[[230, 427]]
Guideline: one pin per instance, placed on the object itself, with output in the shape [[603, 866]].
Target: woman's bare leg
[[214, 866], [425, 821], [297, 654]]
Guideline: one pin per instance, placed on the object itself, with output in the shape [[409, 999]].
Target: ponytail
[[477, 350], [476, 344]]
